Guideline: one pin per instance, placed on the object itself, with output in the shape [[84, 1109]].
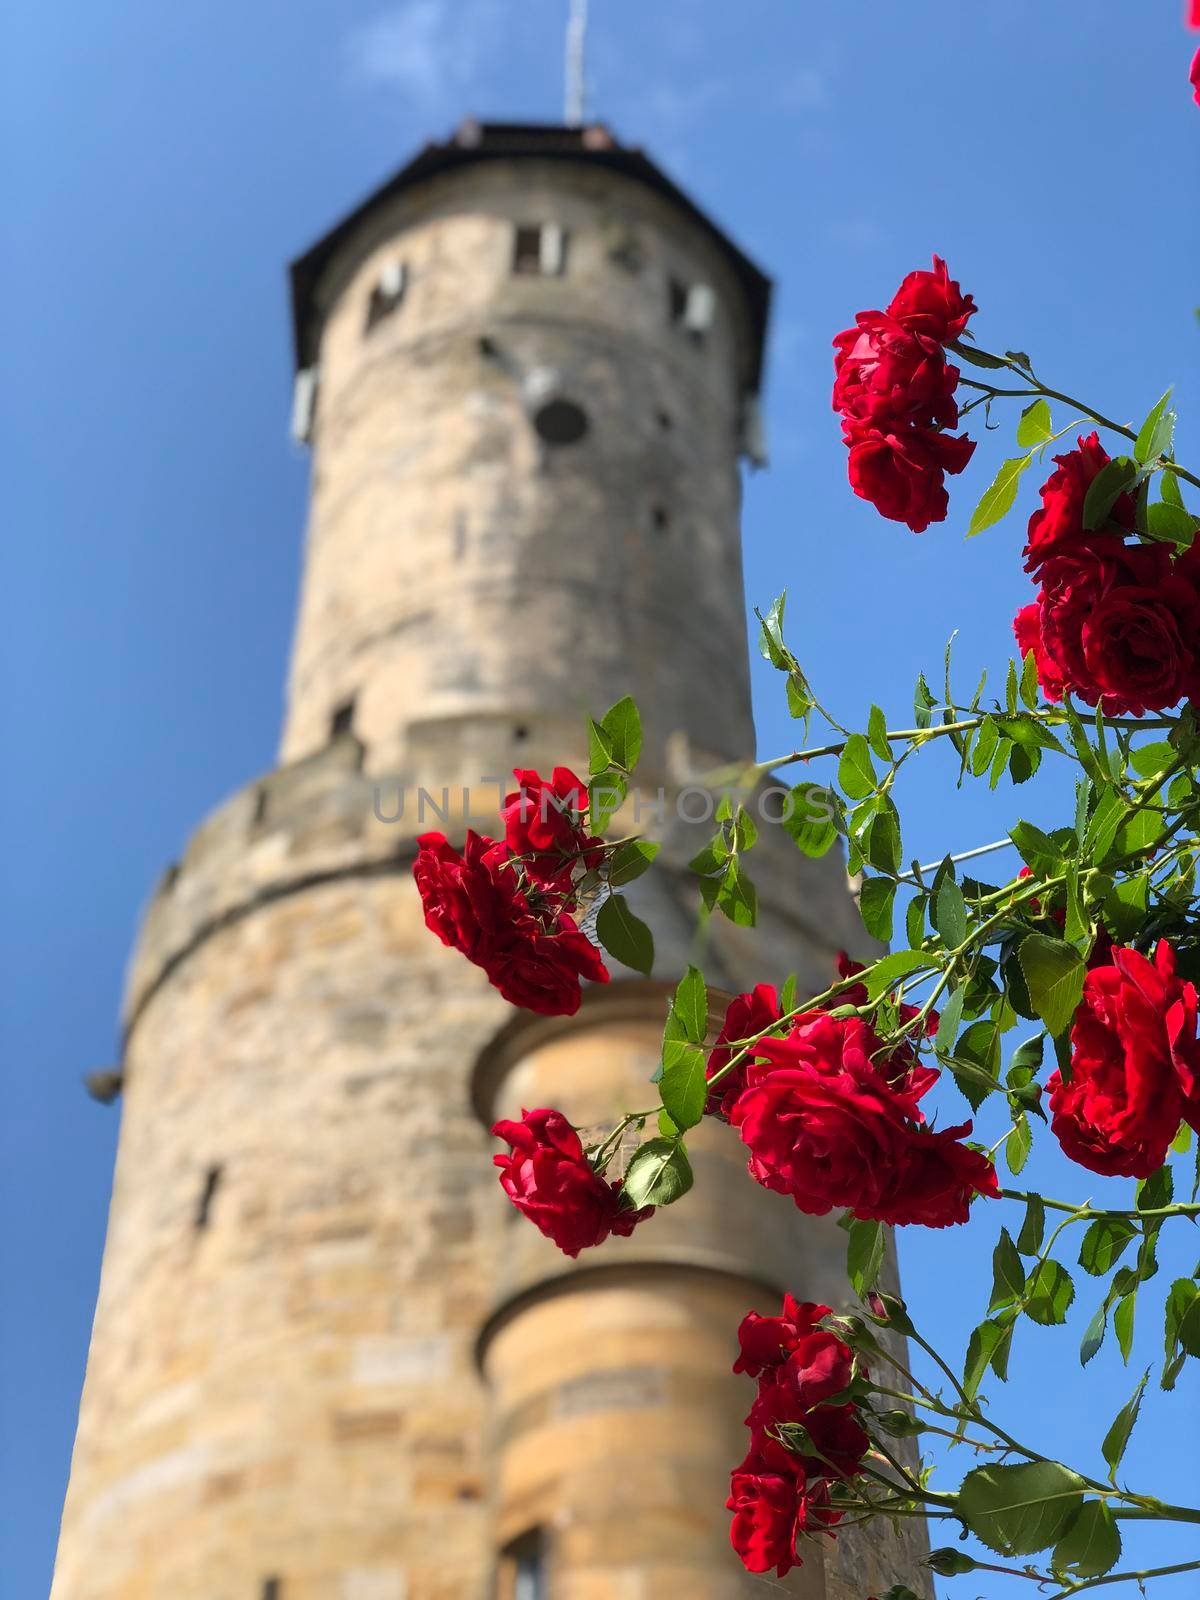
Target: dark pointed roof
[[491, 141]]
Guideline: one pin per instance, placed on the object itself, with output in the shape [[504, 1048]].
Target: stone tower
[[329, 1362]]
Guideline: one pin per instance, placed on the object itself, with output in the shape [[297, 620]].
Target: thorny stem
[[1088, 1213], [1125, 1577]]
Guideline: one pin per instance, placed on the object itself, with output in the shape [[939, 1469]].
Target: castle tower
[[329, 1361]]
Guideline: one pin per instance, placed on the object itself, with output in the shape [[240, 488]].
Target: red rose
[[1059, 524], [1027, 629], [902, 471], [1135, 1066], [1116, 624], [471, 899], [541, 971], [931, 304], [900, 1065], [887, 376], [542, 825], [838, 1440], [474, 902], [767, 1342], [549, 1178], [824, 1124], [766, 1515], [1194, 77], [747, 1015], [790, 1352]]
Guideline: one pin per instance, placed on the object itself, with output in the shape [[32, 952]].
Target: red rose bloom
[[1135, 1066], [790, 1352], [931, 304], [839, 1440], [471, 899], [1058, 525], [475, 903], [1194, 77], [549, 1178], [541, 971], [766, 1510], [901, 471], [747, 1015], [765, 1343], [824, 1125], [542, 825], [1116, 624], [888, 376], [781, 1489]]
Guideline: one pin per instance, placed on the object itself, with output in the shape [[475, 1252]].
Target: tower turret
[[328, 1363]]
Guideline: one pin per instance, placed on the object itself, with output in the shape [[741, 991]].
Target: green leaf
[[882, 840], [988, 1346], [864, 1255], [658, 1174], [889, 969], [1156, 434], [1170, 523], [622, 727], [1103, 1244], [856, 771], [1148, 760], [683, 1085], [1019, 1510], [1008, 1275], [975, 358], [1183, 1318], [1037, 850], [737, 897], [923, 702], [691, 1005], [1171, 491], [745, 834], [950, 914], [877, 734], [876, 897], [1123, 1322], [1091, 1545], [1029, 681], [606, 793], [951, 1016], [809, 820], [630, 860], [998, 497], [1048, 1294], [1054, 974], [599, 749], [1018, 1144], [1105, 489], [1094, 1333], [1035, 426], [625, 936], [1033, 1229], [1117, 1438], [770, 635]]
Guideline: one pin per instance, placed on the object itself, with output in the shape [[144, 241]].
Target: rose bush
[[1088, 941]]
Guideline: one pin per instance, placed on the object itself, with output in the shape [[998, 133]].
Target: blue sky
[[165, 162]]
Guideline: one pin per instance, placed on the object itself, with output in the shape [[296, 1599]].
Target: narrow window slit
[[212, 1182]]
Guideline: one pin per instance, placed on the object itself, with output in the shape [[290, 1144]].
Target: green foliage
[[624, 935], [1019, 1510], [658, 1174]]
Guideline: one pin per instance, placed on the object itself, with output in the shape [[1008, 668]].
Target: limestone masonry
[[329, 1361]]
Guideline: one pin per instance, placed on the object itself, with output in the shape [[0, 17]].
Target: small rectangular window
[[272, 1589], [342, 720], [540, 250], [692, 307], [387, 294], [522, 1573]]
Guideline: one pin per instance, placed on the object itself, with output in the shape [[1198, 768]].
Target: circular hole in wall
[[560, 421]]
